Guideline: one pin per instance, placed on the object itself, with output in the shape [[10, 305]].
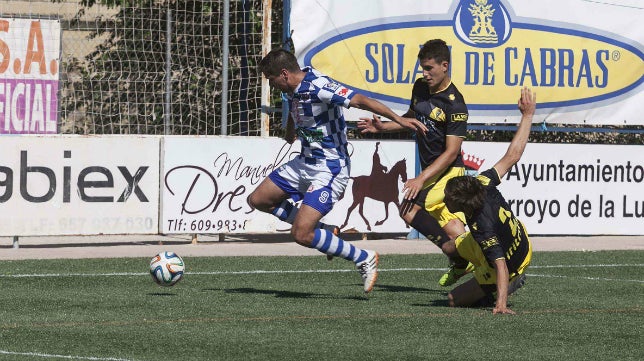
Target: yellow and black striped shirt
[[495, 228]]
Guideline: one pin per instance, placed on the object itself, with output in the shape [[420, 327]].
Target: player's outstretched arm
[[527, 105], [502, 281], [364, 102], [376, 125]]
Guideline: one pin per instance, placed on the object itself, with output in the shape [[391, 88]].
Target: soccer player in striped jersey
[[497, 244], [319, 175]]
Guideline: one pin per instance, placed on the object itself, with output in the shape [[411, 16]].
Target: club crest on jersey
[[438, 114], [311, 189], [331, 86]]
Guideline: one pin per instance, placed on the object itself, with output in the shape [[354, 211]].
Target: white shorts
[[319, 183]]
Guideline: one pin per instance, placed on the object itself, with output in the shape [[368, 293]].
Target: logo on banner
[[93, 184], [380, 185], [29, 75], [491, 53], [482, 23], [472, 162]]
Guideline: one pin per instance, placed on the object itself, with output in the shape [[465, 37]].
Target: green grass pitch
[[575, 306]]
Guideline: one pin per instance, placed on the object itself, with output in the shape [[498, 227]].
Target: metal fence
[[158, 67], [189, 67]]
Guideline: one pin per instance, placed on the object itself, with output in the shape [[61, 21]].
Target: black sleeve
[[489, 178]]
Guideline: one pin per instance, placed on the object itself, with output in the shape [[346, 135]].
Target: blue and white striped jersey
[[316, 107]]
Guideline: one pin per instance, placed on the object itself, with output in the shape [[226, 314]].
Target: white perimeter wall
[[64, 185], [71, 185]]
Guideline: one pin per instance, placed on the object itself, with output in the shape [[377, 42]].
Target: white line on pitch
[[585, 278], [69, 357], [212, 273], [588, 265]]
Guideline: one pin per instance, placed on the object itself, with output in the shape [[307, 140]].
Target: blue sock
[[287, 211], [328, 243]]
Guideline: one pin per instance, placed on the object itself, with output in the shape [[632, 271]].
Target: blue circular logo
[[482, 23]]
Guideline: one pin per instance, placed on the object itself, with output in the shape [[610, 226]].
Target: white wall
[[73, 185]]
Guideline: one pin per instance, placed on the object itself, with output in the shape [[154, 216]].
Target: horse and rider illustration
[[380, 185]]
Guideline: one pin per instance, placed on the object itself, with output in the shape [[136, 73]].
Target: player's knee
[[456, 301], [302, 236], [451, 300], [255, 201], [454, 228]]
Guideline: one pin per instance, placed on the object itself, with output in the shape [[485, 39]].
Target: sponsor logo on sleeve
[[459, 117], [491, 242], [331, 86]]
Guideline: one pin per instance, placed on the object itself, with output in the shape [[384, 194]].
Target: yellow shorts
[[434, 193], [485, 274]]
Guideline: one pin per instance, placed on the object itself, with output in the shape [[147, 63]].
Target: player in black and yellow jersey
[[437, 103], [497, 244]]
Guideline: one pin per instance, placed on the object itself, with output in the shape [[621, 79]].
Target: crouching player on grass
[[497, 244]]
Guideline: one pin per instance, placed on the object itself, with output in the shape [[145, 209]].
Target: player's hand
[[412, 187], [370, 125], [528, 101], [412, 124], [503, 311]]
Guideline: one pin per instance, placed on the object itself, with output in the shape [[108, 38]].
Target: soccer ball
[[167, 268]]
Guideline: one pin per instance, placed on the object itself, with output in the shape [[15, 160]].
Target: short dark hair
[[276, 60], [464, 194], [436, 49]]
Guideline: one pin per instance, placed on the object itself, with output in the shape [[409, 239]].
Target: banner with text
[[74, 185], [585, 59], [206, 182], [567, 189], [29, 75], [554, 189]]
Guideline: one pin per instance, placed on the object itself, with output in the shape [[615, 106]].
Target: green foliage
[[562, 134], [120, 86], [556, 134]]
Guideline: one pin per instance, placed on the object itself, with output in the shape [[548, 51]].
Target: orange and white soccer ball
[[167, 268]]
